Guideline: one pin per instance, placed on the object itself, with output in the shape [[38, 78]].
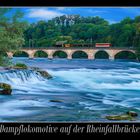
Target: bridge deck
[[77, 48]]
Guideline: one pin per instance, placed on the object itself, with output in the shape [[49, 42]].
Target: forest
[[75, 29]]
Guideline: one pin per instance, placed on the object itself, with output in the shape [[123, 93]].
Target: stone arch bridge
[[90, 52]]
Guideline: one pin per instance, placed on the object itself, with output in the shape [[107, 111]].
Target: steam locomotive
[[98, 45]]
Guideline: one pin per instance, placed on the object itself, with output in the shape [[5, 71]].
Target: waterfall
[[20, 77]]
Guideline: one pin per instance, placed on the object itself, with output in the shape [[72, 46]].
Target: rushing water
[[89, 90]]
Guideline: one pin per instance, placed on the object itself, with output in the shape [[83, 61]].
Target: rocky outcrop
[[130, 115], [56, 101], [119, 117], [5, 89], [44, 74], [19, 66]]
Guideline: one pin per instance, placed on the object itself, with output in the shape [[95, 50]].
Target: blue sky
[[112, 14]]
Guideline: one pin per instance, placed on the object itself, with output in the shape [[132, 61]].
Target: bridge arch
[[40, 54], [59, 54], [20, 54], [79, 54], [101, 54], [125, 55], [90, 53]]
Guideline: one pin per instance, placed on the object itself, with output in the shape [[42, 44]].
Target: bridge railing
[[65, 48]]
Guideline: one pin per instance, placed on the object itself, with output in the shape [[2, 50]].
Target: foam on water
[[87, 79], [20, 77], [14, 108], [80, 89]]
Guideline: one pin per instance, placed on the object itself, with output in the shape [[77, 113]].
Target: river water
[[88, 90]]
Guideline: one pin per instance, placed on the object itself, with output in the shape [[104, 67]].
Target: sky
[[111, 14]]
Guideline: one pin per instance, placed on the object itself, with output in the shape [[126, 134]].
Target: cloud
[[97, 11], [43, 14], [61, 8], [112, 21], [65, 9]]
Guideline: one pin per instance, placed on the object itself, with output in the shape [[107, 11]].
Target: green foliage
[[4, 60], [66, 29], [11, 31], [20, 54], [101, 55], [41, 54], [79, 54], [60, 54], [21, 65], [125, 55], [70, 28], [76, 29], [136, 41]]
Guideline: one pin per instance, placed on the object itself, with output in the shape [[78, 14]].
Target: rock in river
[[132, 113], [56, 101], [20, 66], [5, 89], [44, 74], [120, 117]]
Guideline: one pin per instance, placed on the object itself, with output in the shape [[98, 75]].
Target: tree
[[136, 42], [11, 32], [137, 19]]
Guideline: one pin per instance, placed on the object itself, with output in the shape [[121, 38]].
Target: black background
[[84, 133], [69, 3], [43, 3]]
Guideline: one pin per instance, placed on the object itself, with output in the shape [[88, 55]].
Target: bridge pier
[[10, 54], [111, 57], [69, 56], [31, 56], [50, 56], [90, 56]]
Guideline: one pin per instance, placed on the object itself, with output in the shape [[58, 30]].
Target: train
[[103, 45], [98, 45]]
